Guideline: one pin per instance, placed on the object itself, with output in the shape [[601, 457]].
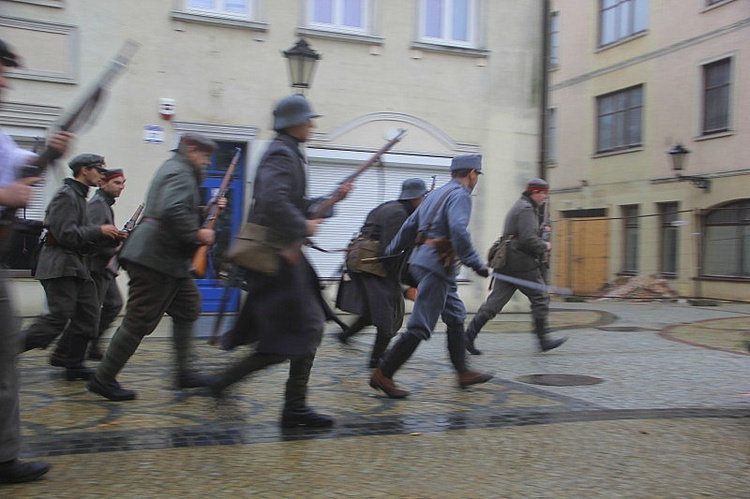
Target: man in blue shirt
[[438, 227]]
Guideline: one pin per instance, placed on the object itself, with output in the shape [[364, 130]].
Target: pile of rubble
[[637, 288]]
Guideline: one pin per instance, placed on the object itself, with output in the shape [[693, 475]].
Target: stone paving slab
[[669, 419]]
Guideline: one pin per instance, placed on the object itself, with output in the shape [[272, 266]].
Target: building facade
[[461, 76], [632, 81]]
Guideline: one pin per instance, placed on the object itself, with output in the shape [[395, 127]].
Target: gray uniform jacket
[[450, 222], [100, 213], [67, 220], [165, 239], [522, 221]]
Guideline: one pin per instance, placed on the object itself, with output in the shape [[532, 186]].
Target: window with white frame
[[620, 19], [339, 15], [554, 40], [552, 135], [448, 22], [235, 8], [619, 120], [717, 87]]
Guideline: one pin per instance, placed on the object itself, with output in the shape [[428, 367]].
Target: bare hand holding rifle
[[293, 253], [114, 265], [216, 205]]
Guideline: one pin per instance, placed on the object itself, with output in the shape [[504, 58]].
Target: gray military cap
[[292, 111], [88, 160], [467, 162]]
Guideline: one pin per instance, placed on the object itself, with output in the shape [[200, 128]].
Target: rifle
[[545, 229], [234, 279], [114, 265], [200, 259], [80, 114], [293, 252]]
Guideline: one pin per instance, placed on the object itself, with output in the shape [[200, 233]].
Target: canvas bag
[[255, 248]]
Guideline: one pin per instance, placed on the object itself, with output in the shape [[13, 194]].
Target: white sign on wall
[[153, 134]]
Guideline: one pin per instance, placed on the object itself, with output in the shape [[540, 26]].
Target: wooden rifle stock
[[293, 252], [200, 259], [113, 265]]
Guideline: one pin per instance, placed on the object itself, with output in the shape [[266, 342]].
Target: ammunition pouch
[[256, 248], [361, 248], [445, 251]]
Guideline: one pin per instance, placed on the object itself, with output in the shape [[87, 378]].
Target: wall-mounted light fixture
[[679, 159]]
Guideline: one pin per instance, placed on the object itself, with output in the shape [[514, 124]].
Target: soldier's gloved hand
[[483, 271]]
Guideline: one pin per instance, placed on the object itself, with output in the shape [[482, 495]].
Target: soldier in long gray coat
[[283, 314], [378, 299], [63, 268], [523, 223], [157, 256]]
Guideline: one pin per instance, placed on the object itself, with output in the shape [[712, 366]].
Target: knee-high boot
[[382, 340], [182, 338], [457, 347], [122, 346], [350, 331], [76, 352], [542, 333], [296, 412]]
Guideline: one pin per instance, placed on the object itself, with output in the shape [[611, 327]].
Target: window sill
[[340, 36], [616, 153], [715, 6], [621, 41], [58, 4], [724, 278], [229, 22], [717, 135], [447, 49]]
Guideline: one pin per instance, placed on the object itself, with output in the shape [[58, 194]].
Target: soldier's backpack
[[497, 256]]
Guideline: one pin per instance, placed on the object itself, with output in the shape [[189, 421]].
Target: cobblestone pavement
[[667, 416]]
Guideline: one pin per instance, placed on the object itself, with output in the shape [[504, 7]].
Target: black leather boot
[[469, 338], [74, 368], [16, 471], [542, 332], [296, 412], [122, 346]]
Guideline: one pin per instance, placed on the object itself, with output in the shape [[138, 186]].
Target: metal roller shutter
[[375, 186]]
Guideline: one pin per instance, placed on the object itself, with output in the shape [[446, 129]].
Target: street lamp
[[679, 159], [302, 60]]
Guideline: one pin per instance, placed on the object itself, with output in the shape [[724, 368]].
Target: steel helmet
[[292, 111]]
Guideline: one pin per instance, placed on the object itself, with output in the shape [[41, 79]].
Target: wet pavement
[[659, 407]]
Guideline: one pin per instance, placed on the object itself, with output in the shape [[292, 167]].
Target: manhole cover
[[559, 379], [621, 329]]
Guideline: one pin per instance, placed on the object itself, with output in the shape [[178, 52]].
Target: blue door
[[212, 285]]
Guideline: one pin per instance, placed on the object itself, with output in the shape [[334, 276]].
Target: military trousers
[[501, 294], [10, 432], [151, 294], [73, 305], [437, 297], [110, 298]]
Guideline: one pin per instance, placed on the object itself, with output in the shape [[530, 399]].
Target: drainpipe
[[544, 100]]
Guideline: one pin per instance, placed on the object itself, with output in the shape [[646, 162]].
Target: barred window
[[726, 250]]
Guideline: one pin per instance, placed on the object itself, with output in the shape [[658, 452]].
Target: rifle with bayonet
[[200, 259], [113, 265], [81, 114], [293, 252]]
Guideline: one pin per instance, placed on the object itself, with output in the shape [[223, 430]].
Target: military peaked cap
[[88, 160], [467, 162]]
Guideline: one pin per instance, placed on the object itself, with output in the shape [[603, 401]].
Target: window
[[711, 2], [339, 15], [716, 94], [552, 134], [619, 120], [621, 18], [727, 240], [448, 22], [630, 239], [669, 223], [554, 40], [236, 8]]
